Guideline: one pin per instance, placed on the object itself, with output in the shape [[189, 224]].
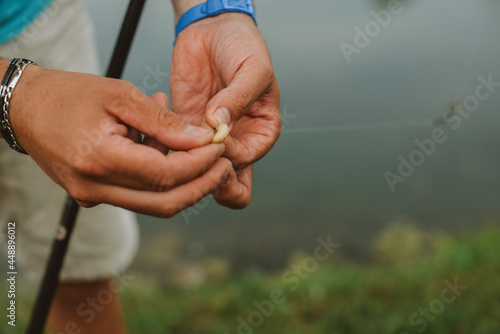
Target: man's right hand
[[84, 131]]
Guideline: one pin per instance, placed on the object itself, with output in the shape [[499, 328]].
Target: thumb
[[234, 101], [157, 122]]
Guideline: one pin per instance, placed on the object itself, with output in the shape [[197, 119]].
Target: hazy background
[[326, 178], [344, 126]]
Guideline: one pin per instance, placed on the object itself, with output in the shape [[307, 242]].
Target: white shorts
[[105, 238]]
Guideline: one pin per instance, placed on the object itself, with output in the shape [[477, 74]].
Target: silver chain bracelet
[[9, 82]]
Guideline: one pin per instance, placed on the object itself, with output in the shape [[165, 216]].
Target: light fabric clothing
[[17, 15], [105, 238]]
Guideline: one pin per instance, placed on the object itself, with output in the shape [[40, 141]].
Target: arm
[[222, 73], [81, 130]]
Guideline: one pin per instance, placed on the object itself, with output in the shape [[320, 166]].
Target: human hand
[[222, 73], [80, 129]]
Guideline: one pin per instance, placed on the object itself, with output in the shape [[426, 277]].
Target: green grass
[[338, 297], [342, 298]]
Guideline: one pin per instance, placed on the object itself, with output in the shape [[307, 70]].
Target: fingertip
[[218, 116], [235, 191], [218, 149], [222, 116]]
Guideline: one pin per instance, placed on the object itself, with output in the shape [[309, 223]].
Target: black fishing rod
[[63, 234]]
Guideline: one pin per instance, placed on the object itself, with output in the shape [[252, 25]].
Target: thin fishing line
[[398, 124], [410, 123]]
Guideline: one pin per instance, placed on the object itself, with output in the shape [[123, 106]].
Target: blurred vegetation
[[407, 276], [400, 243]]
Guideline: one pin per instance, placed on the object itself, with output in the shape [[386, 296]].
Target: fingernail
[[222, 115], [196, 131]]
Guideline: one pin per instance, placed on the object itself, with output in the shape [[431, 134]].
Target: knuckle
[[241, 101], [168, 118], [167, 212], [162, 183], [123, 94], [89, 167], [81, 195], [125, 88]]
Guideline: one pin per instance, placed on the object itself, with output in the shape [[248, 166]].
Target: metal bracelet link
[[9, 82]]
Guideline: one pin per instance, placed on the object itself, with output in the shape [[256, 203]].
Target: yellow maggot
[[221, 134]]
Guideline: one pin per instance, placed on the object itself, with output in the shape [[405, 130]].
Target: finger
[[140, 112], [248, 84], [256, 133], [151, 142], [141, 167], [134, 135], [164, 204], [162, 100], [237, 191]]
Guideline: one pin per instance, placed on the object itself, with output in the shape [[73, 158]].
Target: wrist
[[212, 8], [13, 97], [182, 6], [24, 92]]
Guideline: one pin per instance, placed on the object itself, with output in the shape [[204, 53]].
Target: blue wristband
[[214, 8]]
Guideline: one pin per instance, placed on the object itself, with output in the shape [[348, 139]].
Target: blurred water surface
[[346, 125]]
